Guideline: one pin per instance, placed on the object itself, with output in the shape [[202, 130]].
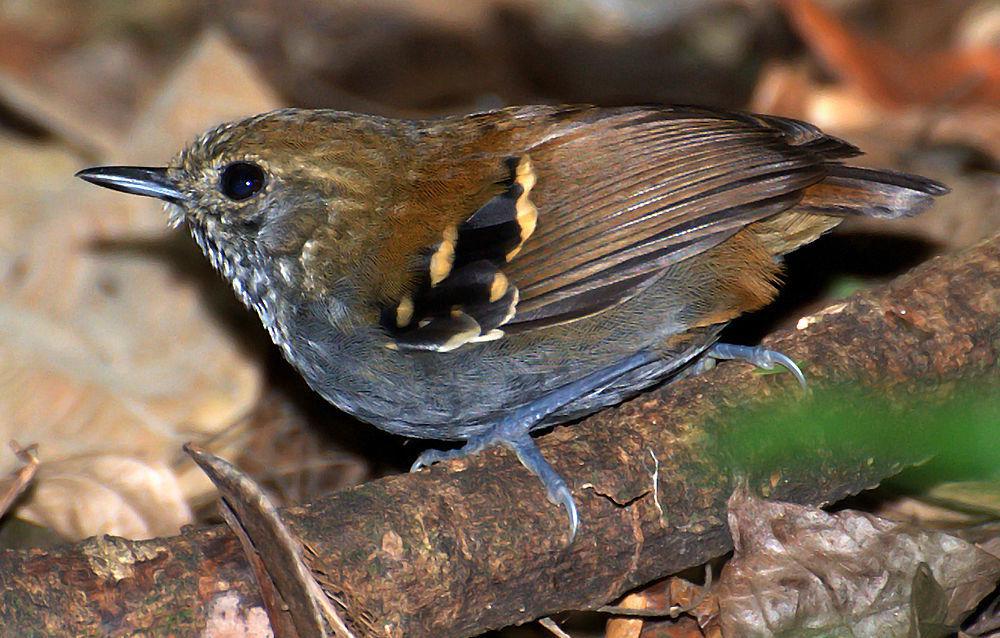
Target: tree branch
[[474, 544]]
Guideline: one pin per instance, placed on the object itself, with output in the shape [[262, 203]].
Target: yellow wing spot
[[492, 335], [444, 256], [512, 309], [527, 214], [392, 345], [499, 286], [460, 338], [404, 312]]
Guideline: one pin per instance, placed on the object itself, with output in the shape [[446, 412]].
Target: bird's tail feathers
[[849, 190]]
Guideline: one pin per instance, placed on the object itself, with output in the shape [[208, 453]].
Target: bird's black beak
[[137, 180]]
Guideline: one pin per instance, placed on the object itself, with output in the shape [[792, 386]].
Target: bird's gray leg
[[514, 432], [758, 356]]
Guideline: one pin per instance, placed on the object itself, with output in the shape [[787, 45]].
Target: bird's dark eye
[[241, 180]]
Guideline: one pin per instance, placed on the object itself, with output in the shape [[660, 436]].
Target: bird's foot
[[515, 436], [556, 489], [514, 432], [475, 444], [758, 356]]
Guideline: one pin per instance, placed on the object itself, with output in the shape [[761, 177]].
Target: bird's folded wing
[[588, 217]]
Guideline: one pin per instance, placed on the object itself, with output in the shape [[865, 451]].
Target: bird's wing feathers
[[593, 213]]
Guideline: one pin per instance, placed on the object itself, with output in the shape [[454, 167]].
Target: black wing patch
[[462, 294]]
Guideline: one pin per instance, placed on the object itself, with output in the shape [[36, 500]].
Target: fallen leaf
[[978, 496], [917, 139], [82, 94], [891, 77], [684, 610], [799, 571], [83, 70], [625, 626], [110, 357], [14, 485], [107, 494]]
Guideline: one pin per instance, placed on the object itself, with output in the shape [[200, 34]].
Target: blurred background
[[117, 341]]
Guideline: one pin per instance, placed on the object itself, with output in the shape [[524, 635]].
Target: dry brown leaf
[[82, 70], [799, 571], [625, 627], [214, 83], [684, 610], [109, 359], [918, 511], [107, 494], [790, 90], [894, 78], [986, 536], [12, 486], [82, 94], [976, 496]]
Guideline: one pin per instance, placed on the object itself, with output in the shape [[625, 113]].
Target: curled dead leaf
[[798, 570]]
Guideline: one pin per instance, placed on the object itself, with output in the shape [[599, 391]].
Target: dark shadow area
[[832, 266], [387, 453]]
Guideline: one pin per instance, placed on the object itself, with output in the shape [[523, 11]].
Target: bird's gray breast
[[252, 280], [343, 358]]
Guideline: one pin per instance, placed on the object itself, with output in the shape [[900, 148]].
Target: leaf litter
[[800, 571], [110, 359]]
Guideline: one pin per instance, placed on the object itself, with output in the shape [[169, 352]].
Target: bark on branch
[[475, 545]]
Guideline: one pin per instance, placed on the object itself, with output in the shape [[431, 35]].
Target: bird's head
[[264, 185]]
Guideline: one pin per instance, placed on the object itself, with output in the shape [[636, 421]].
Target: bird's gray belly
[[458, 394]]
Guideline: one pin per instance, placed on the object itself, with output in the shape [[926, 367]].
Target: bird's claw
[[560, 495], [428, 458], [760, 357], [555, 487], [515, 433]]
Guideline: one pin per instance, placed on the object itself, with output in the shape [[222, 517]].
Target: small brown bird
[[477, 278]]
